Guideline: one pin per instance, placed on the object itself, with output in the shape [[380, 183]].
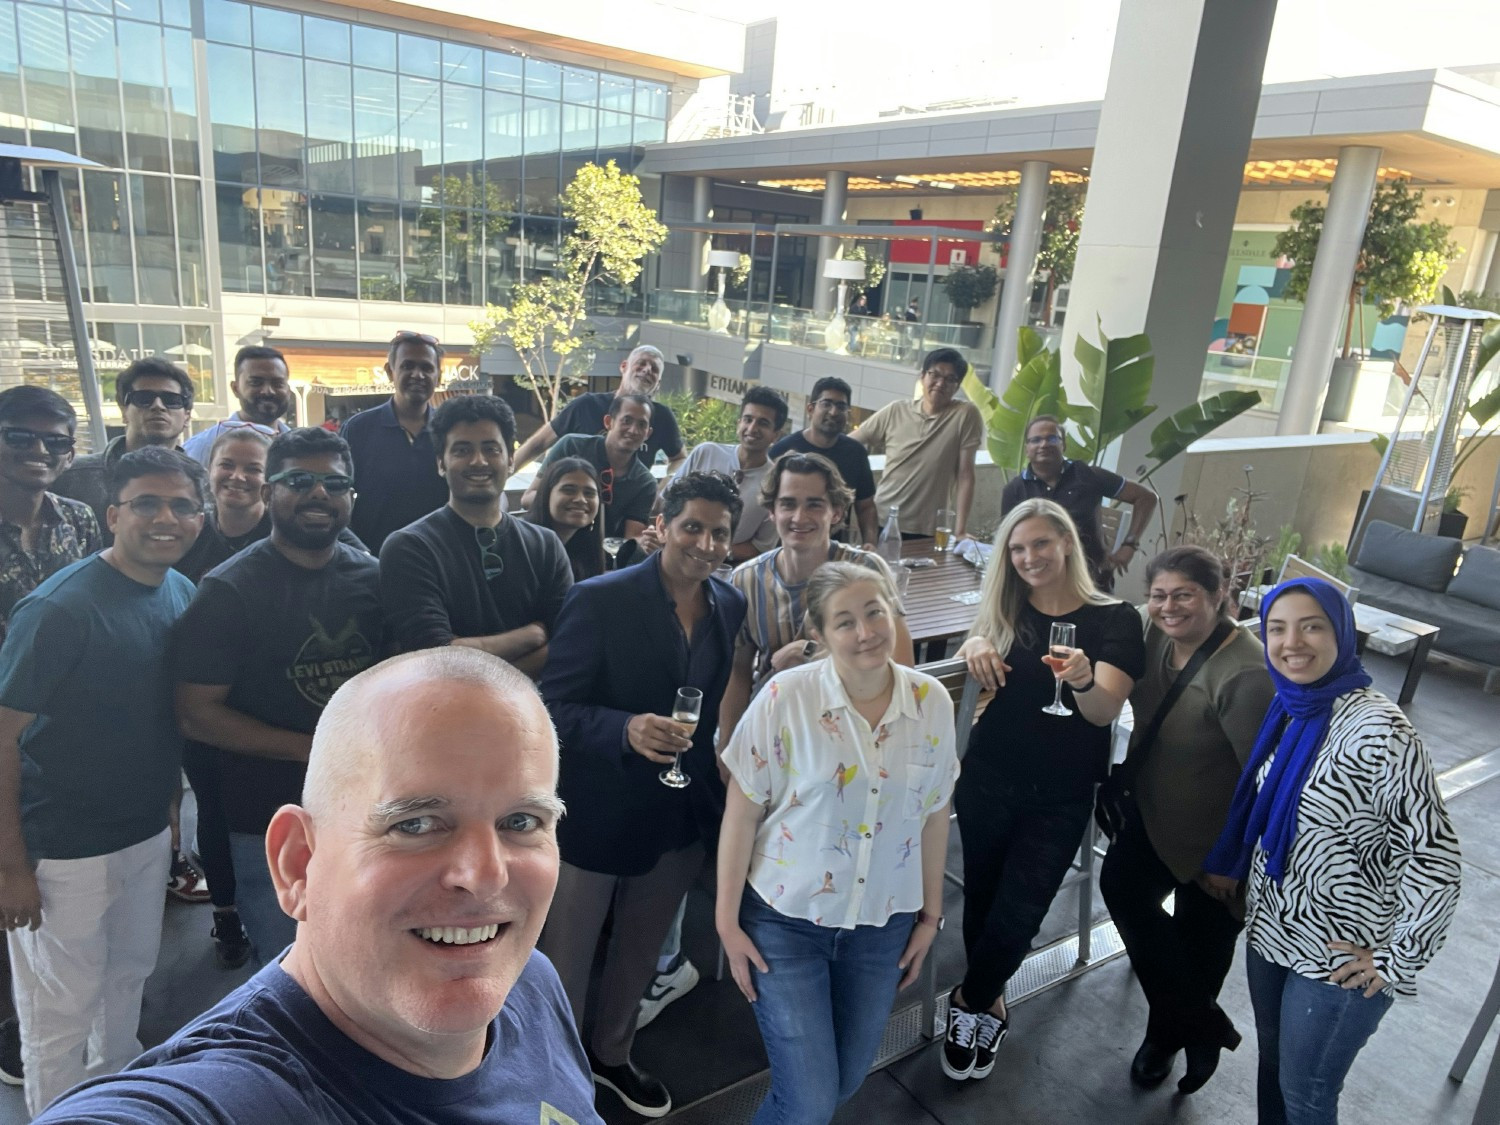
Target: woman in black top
[[1027, 788], [236, 472], [567, 501]]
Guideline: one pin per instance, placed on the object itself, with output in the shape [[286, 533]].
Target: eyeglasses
[[149, 507], [1043, 439], [939, 377], [406, 334], [832, 405], [607, 486], [489, 558], [304, 480], [145, 400], [55, 444]]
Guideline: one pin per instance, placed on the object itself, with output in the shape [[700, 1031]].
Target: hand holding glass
[[685, 712], [1059, 648], [612, 545]]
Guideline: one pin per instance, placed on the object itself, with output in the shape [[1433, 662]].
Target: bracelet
[[1082, 690]]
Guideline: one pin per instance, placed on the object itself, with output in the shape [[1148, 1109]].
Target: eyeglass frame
[[1044, 439], [178, 505], [487, 551], [133, 397], [317, 479]]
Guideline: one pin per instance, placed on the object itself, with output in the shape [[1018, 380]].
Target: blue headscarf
[[1293, 730]]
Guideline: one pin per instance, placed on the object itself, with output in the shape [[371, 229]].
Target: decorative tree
[[610, 231], [1400, 260], [852, 251], [1061, 221], [968, 287]]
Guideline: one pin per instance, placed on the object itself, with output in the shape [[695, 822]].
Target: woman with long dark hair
[[567, 501]]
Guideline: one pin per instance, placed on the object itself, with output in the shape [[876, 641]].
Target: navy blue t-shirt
[[267, 1054], [87, 655], [396, 477]]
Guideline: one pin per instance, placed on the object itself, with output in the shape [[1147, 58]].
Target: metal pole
[[835, 194], [1020, 268], [88, 379], [1434, 459], [927, 298]]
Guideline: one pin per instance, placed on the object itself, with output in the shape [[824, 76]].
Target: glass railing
[[694, 309], [1229, 371]]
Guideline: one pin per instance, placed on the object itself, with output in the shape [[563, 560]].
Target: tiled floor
[[1069, 1051]]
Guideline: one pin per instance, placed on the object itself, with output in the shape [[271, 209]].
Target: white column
[[703, 197], [835, 196], [1328, 290], [1020, 266]]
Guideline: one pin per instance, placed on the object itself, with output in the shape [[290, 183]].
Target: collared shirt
[[395, 474], [755, 524], [68, 533], [1079, 489], [200, 446], [633, 491], [841, 841], [922, 454]]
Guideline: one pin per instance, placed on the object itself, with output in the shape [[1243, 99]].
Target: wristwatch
[[925, 919], [1132, 542], [808, 649]]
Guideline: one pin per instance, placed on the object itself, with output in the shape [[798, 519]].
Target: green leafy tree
[[1400, 260], [1058, 250], [968, 287], [610, 230]]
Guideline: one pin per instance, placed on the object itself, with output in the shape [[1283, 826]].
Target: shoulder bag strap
[[1179, 685]]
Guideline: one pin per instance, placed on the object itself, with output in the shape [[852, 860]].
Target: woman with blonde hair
[[1027, 790]]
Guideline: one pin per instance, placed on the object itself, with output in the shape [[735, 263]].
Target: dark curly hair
[[152, 460], [308, 441], [716, 488], [473, 408]]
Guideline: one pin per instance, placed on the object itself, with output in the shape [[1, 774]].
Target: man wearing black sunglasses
[[155, 397], [270, 636]]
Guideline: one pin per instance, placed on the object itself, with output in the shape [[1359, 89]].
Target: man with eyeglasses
[[929, 446], [392, 443], [262, 384], [828, 408], [468, 574], [90, 766], [1080, 488], [268, 639], [156, 400]]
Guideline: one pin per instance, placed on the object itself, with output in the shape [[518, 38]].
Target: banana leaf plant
[[1035, 389], [1116, 382]]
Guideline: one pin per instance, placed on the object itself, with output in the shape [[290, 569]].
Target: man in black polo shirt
[[640, 374], [269, 637], [827, 417], [468, 574], [392, 444], [1079, 488]]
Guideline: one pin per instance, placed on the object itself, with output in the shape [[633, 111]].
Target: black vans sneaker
[[987, 1039], [959, 1045], [641, 1092]]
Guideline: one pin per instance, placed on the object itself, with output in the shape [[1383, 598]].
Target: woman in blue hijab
[[1349, 862]]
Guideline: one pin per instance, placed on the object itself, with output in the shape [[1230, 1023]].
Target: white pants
[[79, 977]]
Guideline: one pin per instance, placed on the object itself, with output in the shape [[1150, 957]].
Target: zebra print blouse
[[1375, 860]]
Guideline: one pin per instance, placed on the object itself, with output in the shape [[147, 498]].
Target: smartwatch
[[808, 649], [925, 919]]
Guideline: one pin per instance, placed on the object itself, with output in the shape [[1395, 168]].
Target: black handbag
[[1115, 801]]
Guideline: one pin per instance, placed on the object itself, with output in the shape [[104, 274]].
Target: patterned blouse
[[1375, 860], [841, 841], [69, 533]]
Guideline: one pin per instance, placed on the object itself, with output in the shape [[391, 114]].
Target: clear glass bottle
[[889, 546]]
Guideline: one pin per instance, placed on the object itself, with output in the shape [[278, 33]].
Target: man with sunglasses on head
[[90, 767], [392, 443], [156, 400], [828, 407], [269, 637], [262, 383], [468, 574], [1080, 488]]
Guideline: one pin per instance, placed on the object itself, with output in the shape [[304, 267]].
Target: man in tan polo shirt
[[929, 446]]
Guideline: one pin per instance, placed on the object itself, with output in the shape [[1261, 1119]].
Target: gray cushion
[[1478, 580], [1468, 630], [1424, 561]]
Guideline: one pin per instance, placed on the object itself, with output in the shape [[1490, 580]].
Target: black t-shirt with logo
[[284, 638]]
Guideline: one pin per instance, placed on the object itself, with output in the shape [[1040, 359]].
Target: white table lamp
[[718, 313], [843, 270]]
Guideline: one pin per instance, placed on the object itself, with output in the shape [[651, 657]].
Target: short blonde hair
[[832, 577]]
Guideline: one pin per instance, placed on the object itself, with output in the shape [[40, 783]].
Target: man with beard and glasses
[[392, 444], [468, 574], [156, 400], [262, 384], [625, 643], [270, 636], [828, 407]]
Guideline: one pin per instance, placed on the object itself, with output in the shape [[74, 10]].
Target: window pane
[[145, 87], [97, 86], [231, 109], [44, 73], [463, 64], [580, 86], [12, 130], [650, 99], [283, 123], [502, 71], [650, 130], [502, 237], [463, 130], [462, 249], [330, 127], [379, 252], [148, 11], [191, 265], [106, 216], [422, 254], [177, 13], [227, 22], [283, 217], [114, 346], [543, 137], [326, 39], [543, 79], [162, 339], [420, 56], [614, 136], [155, 239], [334, 267], [241, 266], [198, 358], [277, 30], [421, 138], [374, 47], [579, 130], [183, 105], [616, 93], [375, 133]]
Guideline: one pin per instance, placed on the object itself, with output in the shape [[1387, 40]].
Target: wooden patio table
[[932, 616]]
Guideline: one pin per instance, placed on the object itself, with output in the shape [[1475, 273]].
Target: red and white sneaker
[[185, 883]]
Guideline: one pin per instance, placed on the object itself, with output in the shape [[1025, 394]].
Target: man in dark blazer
[[623, 645]]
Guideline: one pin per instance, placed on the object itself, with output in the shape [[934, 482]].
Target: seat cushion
[[1478, 579], [1469, 630], [1424, 561]]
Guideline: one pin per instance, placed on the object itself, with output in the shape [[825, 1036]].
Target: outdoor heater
[[718, 313], [843, 270]]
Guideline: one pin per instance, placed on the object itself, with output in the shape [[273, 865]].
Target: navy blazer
[[617, 652]]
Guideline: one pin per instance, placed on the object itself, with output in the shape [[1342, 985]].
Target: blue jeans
[[822, 1008], [1309, 1032], [270, 931]]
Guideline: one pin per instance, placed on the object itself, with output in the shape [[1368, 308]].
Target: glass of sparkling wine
[[612, 546], [685, 713], [943, 530], [1059, 648]]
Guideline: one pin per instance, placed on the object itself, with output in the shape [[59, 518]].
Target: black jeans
[[201, 764], [1017, 847], [1180, 958]]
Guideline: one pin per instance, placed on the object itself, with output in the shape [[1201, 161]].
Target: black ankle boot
[[1153, 1062], [1203, 1058]]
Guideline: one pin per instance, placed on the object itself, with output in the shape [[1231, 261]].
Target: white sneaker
[[671, 985]]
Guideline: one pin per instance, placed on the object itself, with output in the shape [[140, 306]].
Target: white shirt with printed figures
[[841, 841]]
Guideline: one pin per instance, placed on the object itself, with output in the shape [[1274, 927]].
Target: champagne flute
[[685, 712], [1059, 648], [612, 545]]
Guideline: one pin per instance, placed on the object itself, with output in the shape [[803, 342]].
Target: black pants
[[201, 764], [1180, 958], [1017, 848]]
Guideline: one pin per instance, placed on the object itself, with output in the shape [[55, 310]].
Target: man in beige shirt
[[929, 448]]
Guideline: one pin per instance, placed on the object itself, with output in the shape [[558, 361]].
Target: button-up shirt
[[396, 479], [1079, 489], [68, 533], [841, 841]]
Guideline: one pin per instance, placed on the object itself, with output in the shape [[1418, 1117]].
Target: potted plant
[[1452, 522]]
